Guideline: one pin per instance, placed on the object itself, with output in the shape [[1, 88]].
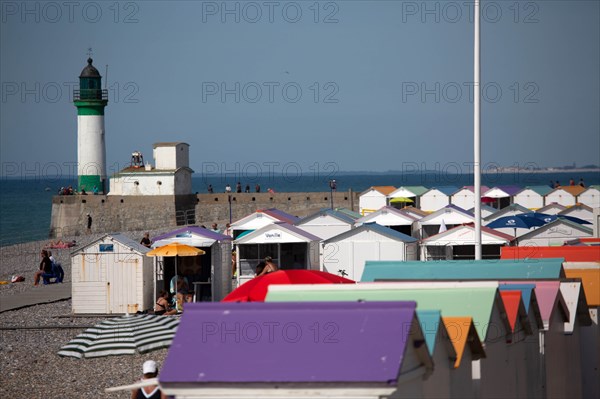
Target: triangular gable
[[407, 192], [388, 216], [514, 307], [465, 235], [539, 190], [280, 215], [575, 299], [573, 190], [278, 232], [450, 214], [382, 190], [192, 231], [470, 189], [461, 330], [496, 192], [352, 340], [552, 208], [590, 277], [335, 218], [528, 298], [514, 209], [253, 221], [119, 238], [555, 226], [550, 300], [447, 191], [376, 228]]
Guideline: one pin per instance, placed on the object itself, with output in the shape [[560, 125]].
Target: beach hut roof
[[501, 191], [459, 216], [408, 191], [465, 235], [553, 225], [474, 301], [390, 211], [590, 277], [463, 270], [343, 217], [573, 190], [447, 190], [384, 231], [193, 231], [384, 190], [349, 212], [273, 214], [471, 189], [276, 232], [553, 205], [118, 237], [207, 350], [541, 190], [576, 207]]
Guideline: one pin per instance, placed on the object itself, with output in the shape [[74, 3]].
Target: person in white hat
[[150, 370]]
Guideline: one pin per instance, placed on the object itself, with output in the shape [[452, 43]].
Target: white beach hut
[[502, 194], [441, 220], [566, 195], [111, 275], [532, 197], [555, 233], [465, 197], [436, 198], [590, 197], [411, 192], [326, 223], [349, 251], [289, 246], [259, 219], [459, 243], [373, 198], [552, 208], [391, 217], [580, 211]]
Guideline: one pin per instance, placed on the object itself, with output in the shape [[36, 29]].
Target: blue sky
[[362, 85]]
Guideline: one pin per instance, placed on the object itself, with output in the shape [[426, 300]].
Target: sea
[[25, 203]]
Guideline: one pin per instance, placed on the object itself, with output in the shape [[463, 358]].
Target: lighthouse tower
[[90, 101]]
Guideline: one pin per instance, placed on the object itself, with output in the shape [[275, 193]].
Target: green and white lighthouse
[[90, 101]]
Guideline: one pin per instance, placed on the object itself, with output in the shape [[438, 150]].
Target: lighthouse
[[90, 101]]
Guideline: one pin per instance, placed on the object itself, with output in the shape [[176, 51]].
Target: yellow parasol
[[175, 249]]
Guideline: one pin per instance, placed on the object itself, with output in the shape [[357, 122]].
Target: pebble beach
[[31, 337]]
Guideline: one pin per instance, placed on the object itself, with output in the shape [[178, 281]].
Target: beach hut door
[[122, 286]]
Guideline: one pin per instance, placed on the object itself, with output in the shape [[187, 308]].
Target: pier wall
[[123, 213]]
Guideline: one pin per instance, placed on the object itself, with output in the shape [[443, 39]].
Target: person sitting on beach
[[45, 267], [270, 267], [150, 370], [259, 268], [57, 269], [162, 306]]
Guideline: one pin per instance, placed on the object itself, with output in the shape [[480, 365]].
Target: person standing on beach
[[146, 240], [150, 370], [257, 188], [89, 223], [45, 267], [227, 188]]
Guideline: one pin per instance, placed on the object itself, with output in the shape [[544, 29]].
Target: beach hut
[[297, 350], [552, 208], [209, 275], [565, 195], [346, 253], [459, 243], [532, 197], [502, 194], [511, 210], [373, 198], [436, 198], [441, 220], [465, 197], [391, 217], [496, 375], [589, 274], [411, 192], [111, 275], [580, 211], [554, 233], [590, 197], [486, 211], [261, 218], [326, 223], [289, 246]]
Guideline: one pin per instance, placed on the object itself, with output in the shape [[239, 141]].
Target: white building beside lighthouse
[[90, 101], [171, 174]]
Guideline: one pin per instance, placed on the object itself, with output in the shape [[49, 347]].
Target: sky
[[350, 85]]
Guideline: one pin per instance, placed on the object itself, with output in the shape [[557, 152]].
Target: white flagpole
[[477, 130]]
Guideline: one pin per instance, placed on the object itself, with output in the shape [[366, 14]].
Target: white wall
[[371, 201], [147, 183], [529, 199], [433, 200], [464, 199], [560, 197], [552, 237], [171, 157], [590, 197]]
